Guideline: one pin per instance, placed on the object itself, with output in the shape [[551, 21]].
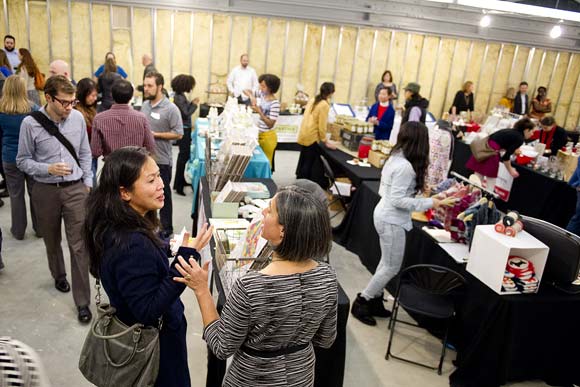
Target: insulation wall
[[208, 45]]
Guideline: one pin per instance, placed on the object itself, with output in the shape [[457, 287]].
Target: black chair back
[[327, 169], [433, 279]]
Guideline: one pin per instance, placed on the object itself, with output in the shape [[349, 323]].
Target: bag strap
[[98, 302], [51, 128]]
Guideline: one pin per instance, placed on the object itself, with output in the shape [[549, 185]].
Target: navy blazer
[[139, 282], [382, 131]]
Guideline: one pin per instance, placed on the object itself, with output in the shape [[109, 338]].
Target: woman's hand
[[514, 173], [330, 144], [201, 240], [194, 276]]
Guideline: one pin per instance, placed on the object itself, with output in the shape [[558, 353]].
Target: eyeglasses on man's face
[[65, 103]]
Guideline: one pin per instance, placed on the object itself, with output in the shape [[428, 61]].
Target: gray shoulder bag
[[115, 354]]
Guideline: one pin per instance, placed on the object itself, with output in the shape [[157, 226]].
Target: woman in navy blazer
[[382, 115], [130, 259]]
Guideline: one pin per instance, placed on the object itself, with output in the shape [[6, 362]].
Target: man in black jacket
[[522, 101]]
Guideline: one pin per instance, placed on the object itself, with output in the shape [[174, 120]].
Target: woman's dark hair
[[307, 230], [272, 82], [4, 60], [85, 87], [183, 83], [541, 88], [413, 141], [28, 62], [523, 124], [390, 76], [548, 121], [326, 89], [108, 214]]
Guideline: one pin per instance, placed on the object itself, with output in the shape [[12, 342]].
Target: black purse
[[115, 354]]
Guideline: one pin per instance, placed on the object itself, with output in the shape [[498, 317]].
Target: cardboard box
[[490, 251], [334, 130], [569, 163], [377, 159]]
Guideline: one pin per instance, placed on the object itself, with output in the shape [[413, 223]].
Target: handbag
[[115, 354], [481, 150]]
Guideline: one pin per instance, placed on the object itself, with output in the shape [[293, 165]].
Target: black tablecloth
[[533, 194], [357, 232], [329, 362], [499, 338], [338, 161], [502, 339]]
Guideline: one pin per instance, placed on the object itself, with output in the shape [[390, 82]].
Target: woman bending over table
[[506, 140]]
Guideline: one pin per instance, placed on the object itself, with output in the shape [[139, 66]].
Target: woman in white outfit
[[402, 178]]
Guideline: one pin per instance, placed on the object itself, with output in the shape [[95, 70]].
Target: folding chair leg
[[439, 369], [392, 328]]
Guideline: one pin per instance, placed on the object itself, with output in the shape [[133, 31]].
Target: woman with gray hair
[[273, 318]]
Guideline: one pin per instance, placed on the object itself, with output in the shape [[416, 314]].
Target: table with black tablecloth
[[330, 362], [338, 161], [533, 194], [357, 232], [498, 338]]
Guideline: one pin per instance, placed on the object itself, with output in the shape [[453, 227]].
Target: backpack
[[39, 80]]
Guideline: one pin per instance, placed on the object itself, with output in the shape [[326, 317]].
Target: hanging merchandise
[[441, 143]]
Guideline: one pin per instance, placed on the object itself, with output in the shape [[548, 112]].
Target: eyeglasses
[[65, 104]]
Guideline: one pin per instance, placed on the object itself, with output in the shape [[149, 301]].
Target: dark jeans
[[182, 159], [166, 213], [574, 225]]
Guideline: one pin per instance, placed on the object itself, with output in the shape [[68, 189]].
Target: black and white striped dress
[[271, 312]]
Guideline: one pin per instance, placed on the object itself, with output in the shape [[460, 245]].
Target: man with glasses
[[62, 183]]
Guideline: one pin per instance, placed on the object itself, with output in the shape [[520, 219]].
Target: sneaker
[[361, 311], [377, 308], [4, 193]]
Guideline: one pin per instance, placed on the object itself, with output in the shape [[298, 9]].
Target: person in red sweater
[[382, 115]]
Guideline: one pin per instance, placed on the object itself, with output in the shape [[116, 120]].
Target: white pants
[[392, 239]]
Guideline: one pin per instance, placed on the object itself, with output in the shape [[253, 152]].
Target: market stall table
[[533, 194], [330, 362], [259, 166], [498, 338], [338, 160]]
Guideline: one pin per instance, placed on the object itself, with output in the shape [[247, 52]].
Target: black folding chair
[[426, 290], [331, 178]]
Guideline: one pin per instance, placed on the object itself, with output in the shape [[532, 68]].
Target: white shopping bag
[[503, 184]]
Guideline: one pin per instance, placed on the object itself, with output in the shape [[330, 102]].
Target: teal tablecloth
[[259, 166]]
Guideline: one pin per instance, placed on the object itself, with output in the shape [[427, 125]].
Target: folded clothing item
[[519, 276]]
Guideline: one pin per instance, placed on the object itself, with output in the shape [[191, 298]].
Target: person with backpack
[[28, 70]]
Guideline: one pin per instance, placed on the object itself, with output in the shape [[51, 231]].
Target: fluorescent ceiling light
[[443, 1], [485, 21], [556, 32], [523, 9]]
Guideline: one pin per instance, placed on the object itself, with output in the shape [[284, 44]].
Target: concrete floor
[[31, 310]]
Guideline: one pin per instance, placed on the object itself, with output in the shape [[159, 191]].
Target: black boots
[[377, 307], [364, 310]]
